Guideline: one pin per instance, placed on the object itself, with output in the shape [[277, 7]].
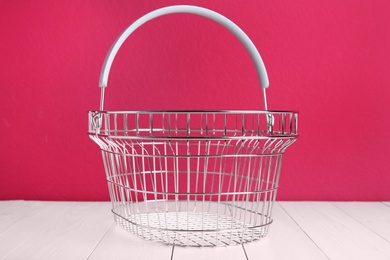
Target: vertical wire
[[278, 166], [109, 180], [246, 190], [116, 167], [237, 160], [277, 155], [165, 192], [197, 180], [154, 186], [149, 173], [126, 172], [265, 99], [115, 124], [215, 158], [151, 125], [166, 159], [107, 124], [197, 176], [257, 195], [211, 188], [135, 183], [269, 150], [174, 194], [114, 178], [222, 175], [230, 175], [188, 187], [137, 124], [176, 182], [263, 193], [233, 203], [253, 188], [119, 161], [269, 172], [131, 174], [144, 185], [243, 162], [125, 128], [224, 161], [241, 170], [188, 174], [283, 118], [198, 164], [243, 186], [206, 162], [138, 186], [213, 173], [102, 98], [205, 167], [259, 187]]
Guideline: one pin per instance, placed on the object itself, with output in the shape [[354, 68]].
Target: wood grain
[[63, 230], [209, 253], [301, 230], [286, 240], [373, 215], [20, 224], [6, 204], [119, 244], [338, 235]]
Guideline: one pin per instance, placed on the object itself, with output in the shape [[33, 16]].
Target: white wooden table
[[301, 230]]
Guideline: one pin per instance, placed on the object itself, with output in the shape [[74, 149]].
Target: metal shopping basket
[[193, 178]]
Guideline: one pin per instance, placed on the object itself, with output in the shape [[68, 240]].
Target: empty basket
[[193, 178]]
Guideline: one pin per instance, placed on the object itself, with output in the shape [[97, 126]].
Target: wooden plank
[[285, 240], [21, 222], [11, 216], [337, 234], [119, 244], [209, 253], [373, 215], [6, 204], [303, 230], [72, 234]]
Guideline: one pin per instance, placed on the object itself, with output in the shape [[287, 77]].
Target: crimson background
[[327, 59]]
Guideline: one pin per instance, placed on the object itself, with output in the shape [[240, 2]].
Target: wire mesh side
[[199, 192], [194, 179]]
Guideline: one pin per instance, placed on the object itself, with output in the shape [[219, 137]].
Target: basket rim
[[251, 136], [196, 138], [222, 111]]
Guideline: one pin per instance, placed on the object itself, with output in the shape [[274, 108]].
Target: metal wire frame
[[194, 178], [189, 124]]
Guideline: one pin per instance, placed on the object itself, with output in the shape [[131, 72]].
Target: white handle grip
[[250, 47], [248, 44]]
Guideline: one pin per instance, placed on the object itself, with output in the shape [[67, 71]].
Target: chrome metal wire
[[193, 178]]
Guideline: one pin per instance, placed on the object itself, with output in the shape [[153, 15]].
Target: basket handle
[[232, 27]]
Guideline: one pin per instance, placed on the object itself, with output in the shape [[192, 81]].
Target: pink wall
[[327, 59]]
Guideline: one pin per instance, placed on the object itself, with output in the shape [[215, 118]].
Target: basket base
[[191, 228]]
